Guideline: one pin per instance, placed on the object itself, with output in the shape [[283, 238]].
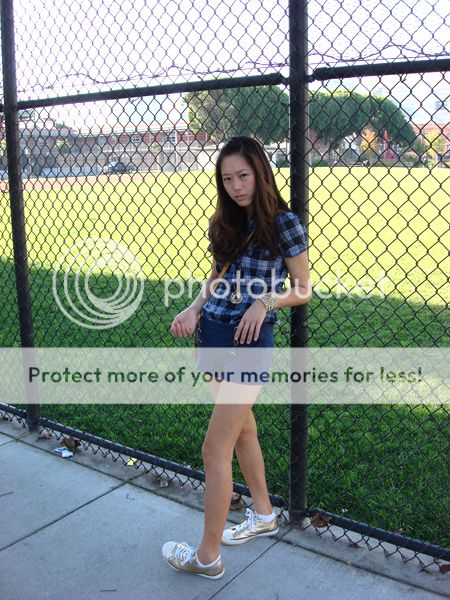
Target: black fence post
[[16, 193], [299, 178]]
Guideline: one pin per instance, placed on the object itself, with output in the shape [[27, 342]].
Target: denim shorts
[[218, 353]]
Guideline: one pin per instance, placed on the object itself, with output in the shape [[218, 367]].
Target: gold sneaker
[[183, 558], [252, 527]]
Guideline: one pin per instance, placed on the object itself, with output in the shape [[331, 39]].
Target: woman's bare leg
[[251, 461], [225, 426]]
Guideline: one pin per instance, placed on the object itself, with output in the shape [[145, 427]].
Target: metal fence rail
[[111, 131]]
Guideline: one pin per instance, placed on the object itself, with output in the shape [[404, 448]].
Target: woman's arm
[[185, 322], [205, 293], [300, 291]]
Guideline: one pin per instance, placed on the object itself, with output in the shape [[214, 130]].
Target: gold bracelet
[[269, 300]]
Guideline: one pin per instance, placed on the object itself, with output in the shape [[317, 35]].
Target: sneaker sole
[[247, 539], [218, 576]]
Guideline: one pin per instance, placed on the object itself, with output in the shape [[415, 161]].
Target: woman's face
[[239, 180]]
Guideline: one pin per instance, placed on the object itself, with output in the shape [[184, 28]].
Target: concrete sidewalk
[[90, 528]]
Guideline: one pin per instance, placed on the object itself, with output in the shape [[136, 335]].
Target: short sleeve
[[292, 234]]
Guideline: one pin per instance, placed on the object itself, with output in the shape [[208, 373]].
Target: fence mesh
[[139, 171], [358, 32], [115, 45]]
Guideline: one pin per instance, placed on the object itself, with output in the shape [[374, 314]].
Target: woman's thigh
[[214, 386], [233, 407]]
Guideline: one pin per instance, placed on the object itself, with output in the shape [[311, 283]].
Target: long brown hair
[[228, 225]]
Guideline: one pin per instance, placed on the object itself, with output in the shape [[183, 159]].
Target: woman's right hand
[[184, 323]]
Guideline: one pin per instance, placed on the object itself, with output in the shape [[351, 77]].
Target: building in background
[[51, 148]]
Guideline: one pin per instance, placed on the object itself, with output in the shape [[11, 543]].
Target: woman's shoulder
[[292, 232], [288, 218]]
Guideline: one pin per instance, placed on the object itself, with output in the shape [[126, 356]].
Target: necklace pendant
[[236, 298]]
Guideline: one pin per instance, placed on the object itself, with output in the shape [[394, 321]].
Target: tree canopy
[[264, 113], [335, 115], [437, 143]]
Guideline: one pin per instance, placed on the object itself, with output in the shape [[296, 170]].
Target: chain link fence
[[122, 108]]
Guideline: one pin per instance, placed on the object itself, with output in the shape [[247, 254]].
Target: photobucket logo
[[331, 286], [251, 288], [77, 300]]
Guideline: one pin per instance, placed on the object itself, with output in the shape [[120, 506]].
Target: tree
[[369, 145], [334, 116], [261, 112], [387, 116], [437, 144], [338, 114], [264, 113], [210, 111], [420, 146]]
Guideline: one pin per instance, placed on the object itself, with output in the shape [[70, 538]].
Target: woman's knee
[[214, 451], [249, 431]]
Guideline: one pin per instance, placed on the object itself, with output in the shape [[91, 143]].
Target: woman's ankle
[[206, 558], [263, 509]]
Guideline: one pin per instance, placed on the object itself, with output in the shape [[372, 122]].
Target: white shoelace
[[250, 521], [184, 553]]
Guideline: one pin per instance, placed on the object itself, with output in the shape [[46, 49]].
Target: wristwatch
[[269, 300]]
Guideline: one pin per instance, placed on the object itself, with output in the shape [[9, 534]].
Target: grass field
[[386, 230], [362, 223]]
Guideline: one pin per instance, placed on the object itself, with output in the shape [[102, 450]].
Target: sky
[[78, 46]]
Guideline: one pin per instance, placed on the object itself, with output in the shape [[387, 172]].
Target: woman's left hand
[[250, 324]]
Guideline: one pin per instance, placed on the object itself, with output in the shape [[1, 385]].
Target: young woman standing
[[254, 232]]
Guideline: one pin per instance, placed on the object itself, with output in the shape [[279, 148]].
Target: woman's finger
[[244, 332], [250, 332], [179, 329]]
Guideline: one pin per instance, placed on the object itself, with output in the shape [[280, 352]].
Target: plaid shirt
[[258, 274]]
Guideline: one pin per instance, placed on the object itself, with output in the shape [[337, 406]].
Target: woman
[[253, 231]]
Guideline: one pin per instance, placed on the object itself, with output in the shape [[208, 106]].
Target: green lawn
[[362, 224], [386, 230]]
